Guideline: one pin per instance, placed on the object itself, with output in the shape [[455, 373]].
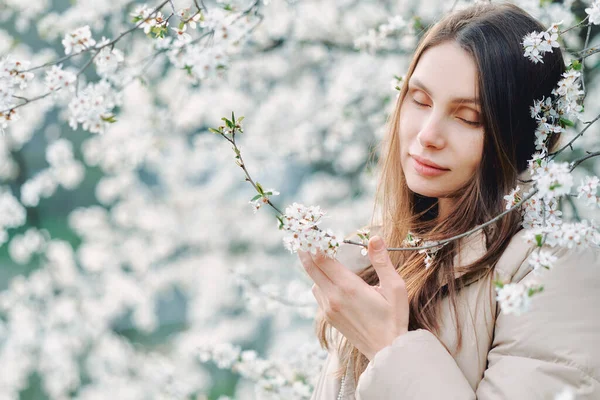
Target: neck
[[445, 206]]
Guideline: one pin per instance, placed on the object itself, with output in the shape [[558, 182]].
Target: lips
[[429, 163]]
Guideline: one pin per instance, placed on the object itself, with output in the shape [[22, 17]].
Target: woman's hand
[[370, 317]]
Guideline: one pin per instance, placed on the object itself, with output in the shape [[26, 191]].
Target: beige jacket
[[555, 345]]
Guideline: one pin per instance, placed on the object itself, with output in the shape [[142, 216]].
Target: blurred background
[[140, 270]]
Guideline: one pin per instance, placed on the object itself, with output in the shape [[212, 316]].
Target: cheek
[[407, 127], [473, 151]]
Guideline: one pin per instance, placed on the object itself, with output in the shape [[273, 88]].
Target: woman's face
[[441, 122]]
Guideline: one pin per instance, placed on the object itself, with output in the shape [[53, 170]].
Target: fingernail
[[376, 243]]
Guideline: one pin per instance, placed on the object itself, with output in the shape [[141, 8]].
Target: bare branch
[[111, 43], [557, 152], [478, 227]]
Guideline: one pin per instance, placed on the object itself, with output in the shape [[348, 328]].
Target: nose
[[431, 134]]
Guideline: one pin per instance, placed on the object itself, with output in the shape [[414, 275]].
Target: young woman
[[459, 140]]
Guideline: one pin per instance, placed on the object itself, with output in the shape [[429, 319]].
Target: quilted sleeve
[[552, 347]]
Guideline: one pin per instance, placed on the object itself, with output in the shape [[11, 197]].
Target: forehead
[[448, 71]]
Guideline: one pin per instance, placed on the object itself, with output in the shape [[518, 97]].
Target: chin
[[425, 187]]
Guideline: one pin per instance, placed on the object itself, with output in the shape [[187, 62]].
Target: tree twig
[[110, 43], [557, 152], [478, 227]]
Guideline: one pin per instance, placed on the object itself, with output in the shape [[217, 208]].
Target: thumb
[[382, 264]]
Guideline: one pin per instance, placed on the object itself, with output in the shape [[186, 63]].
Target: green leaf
[[260, 188], [110, 119], [188, 69], [258, 196], [228, 123], [214, 131], [136, 19], [567, 122], [181, 25], [576, 65], [158, 31], [240, 119], [533, 291], [280, 222], [499, 284], [539, 239], [232, 118]]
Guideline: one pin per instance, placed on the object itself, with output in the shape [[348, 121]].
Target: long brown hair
[[508, 84]]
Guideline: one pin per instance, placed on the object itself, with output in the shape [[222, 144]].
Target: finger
[[335, 270], [318, 294], [389, 279], [313, 271]]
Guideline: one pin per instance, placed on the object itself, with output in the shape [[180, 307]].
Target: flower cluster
[[515, 298], [270, 298], [57, 79], [541, 259], [594, 12], [538, 43], [588, 189], [364, 235], [553, 180], [12, 214], [303, 225], [429, 253], [553, 116], [64, 170], [413, 241], [12, 76], [378, 38], [92, 108], [293, 379], [23, 247], [187, 18], [573, 235], [78, 40], [514, 197], [152, 22], [108, 60], [539, 212]]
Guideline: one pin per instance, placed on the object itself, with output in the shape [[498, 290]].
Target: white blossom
[[538, 43], [182, 34], [513, 197], [541, 259], [263, 198], [108, 61], [553, 180], [515, 298], [92, 108], [594, 12], [303, 224], [588, 189], [12, 213], [185, 15], [78, 40], [22, 247], [57, 78]]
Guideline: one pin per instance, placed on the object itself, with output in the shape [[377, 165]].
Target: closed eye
[[418, 103], [472, 123]]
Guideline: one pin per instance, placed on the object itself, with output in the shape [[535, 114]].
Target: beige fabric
[[555, 345]]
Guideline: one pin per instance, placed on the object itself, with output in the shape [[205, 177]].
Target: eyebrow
[[418, 83]]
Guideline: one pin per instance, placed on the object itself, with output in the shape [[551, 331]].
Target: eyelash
[[463, 120]]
